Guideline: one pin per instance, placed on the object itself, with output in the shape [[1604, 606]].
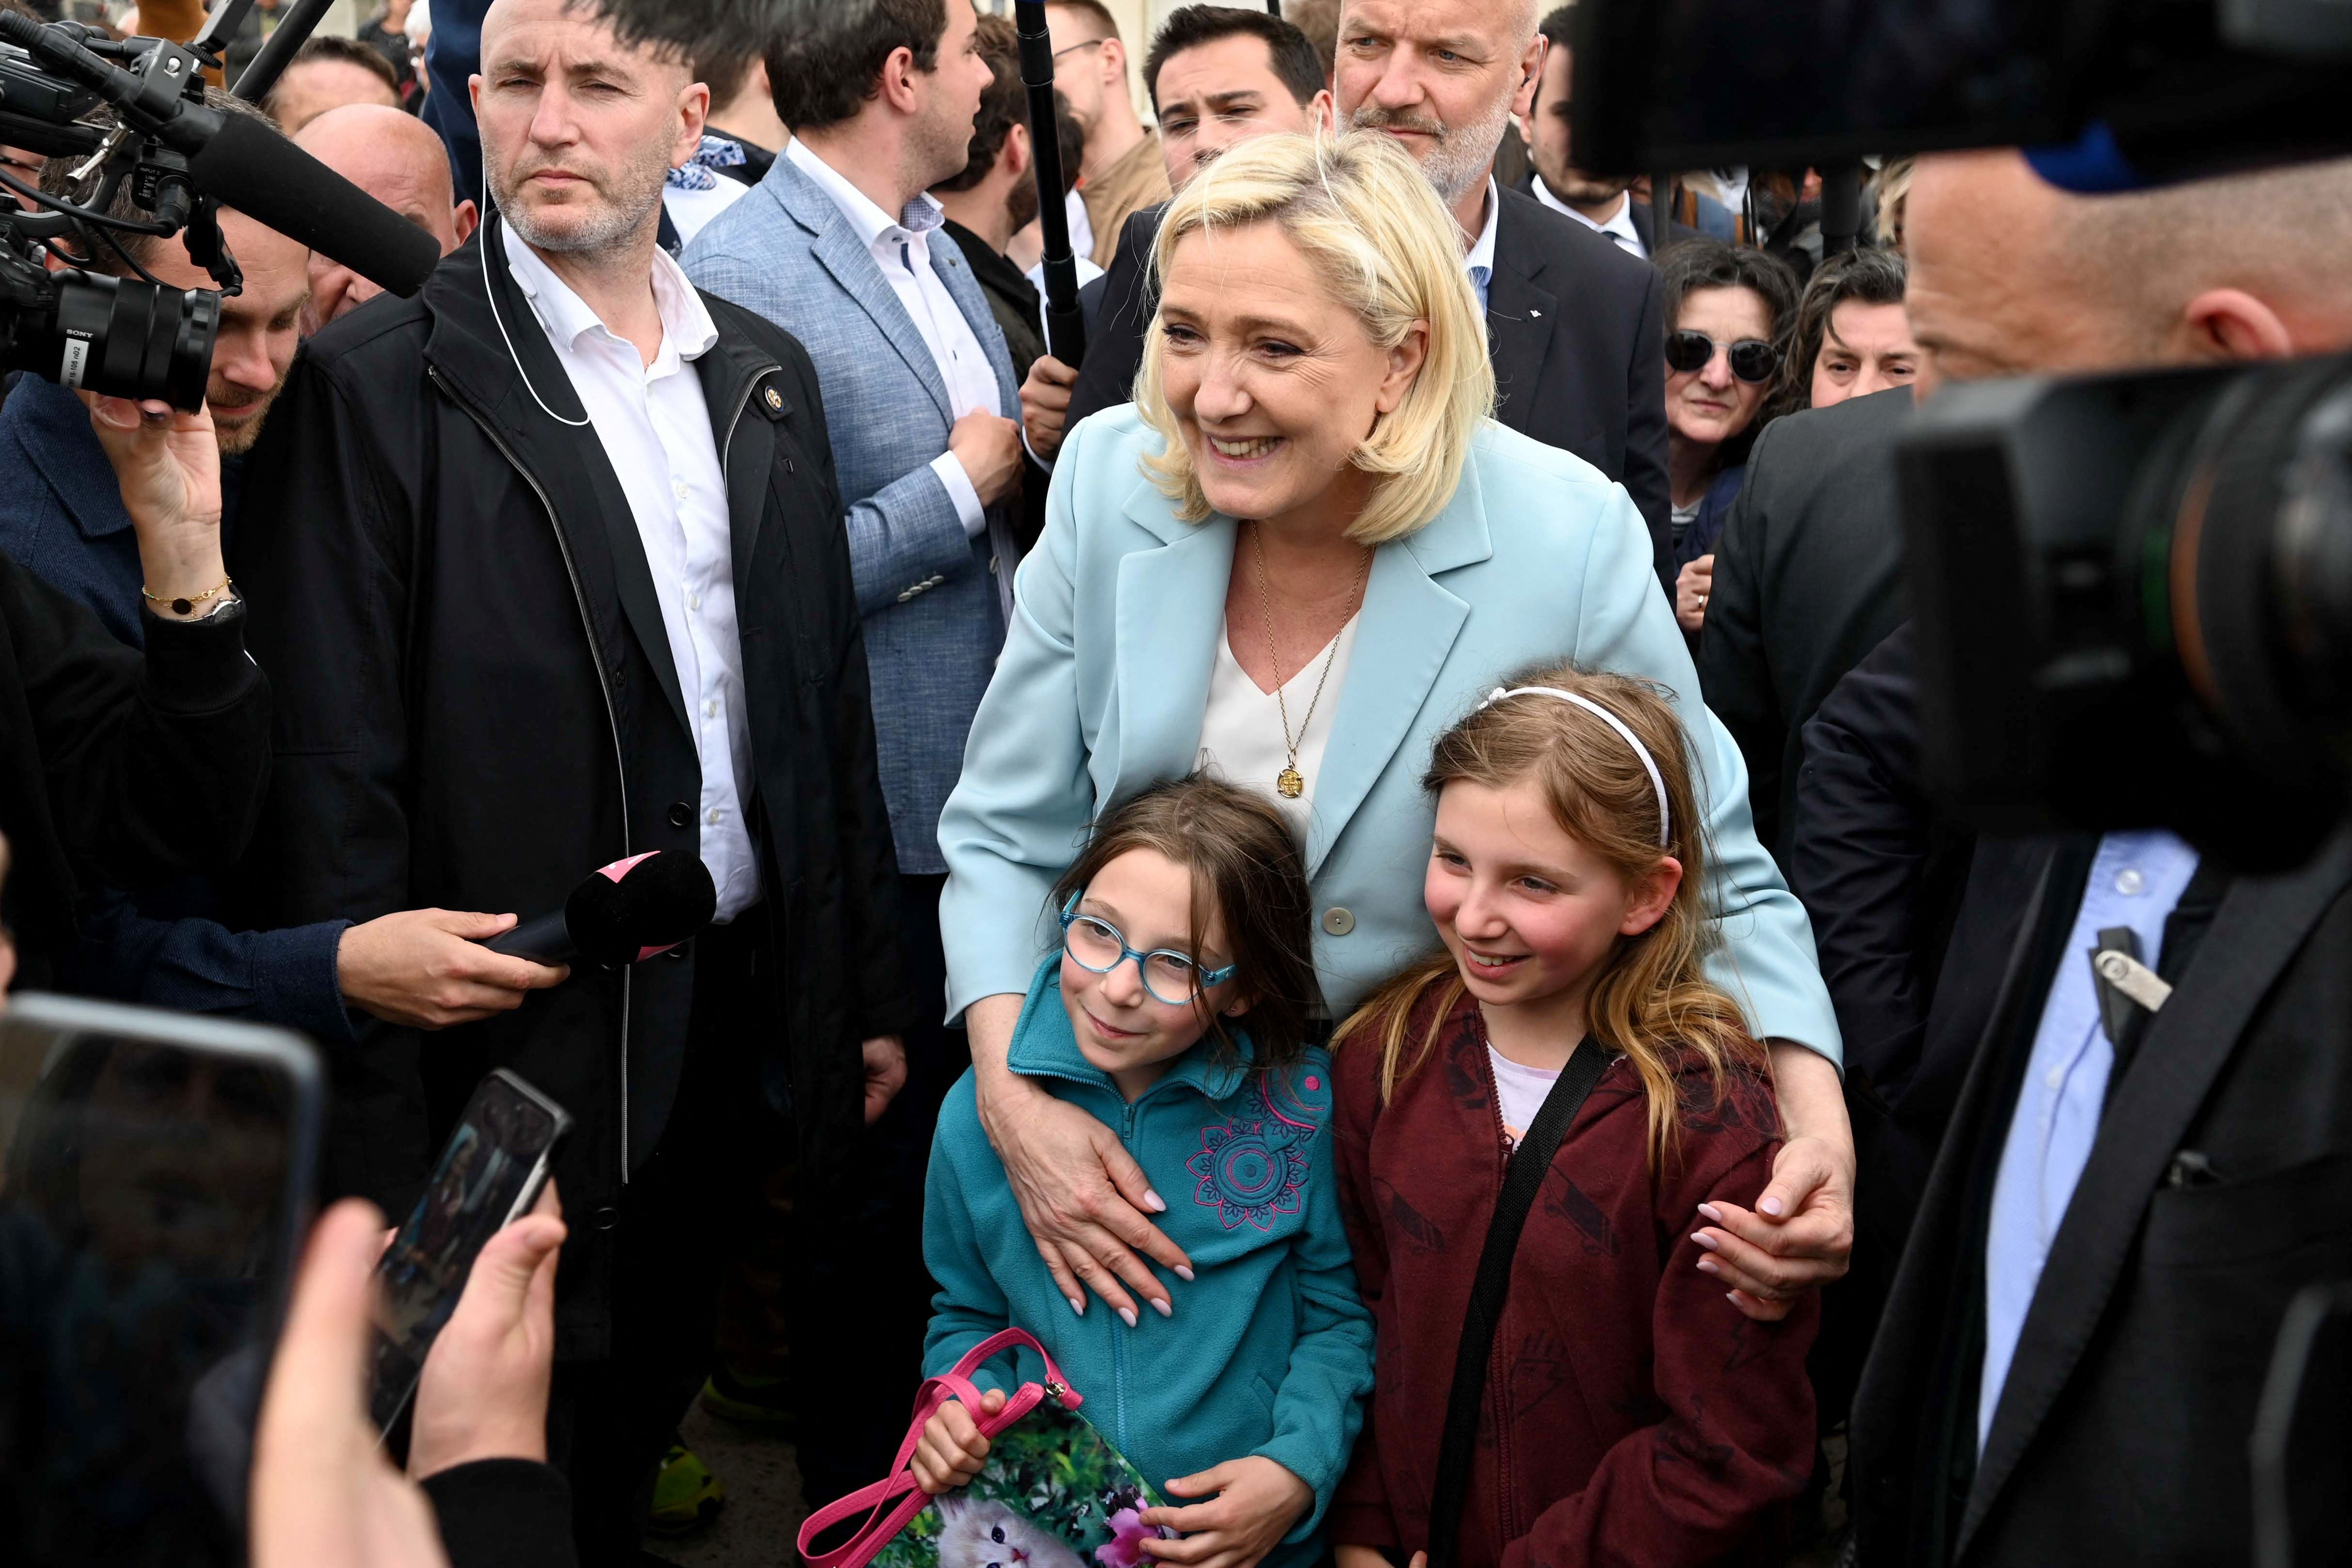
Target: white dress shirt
[[902, 249], [656, 429], [1619, 226]]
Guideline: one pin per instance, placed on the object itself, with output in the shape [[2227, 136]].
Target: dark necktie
[[2184, 931]]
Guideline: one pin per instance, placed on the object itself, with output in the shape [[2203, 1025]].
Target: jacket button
[[607, 1218], [991, 566], [1338, 921], [906, 596], [683, 950], [681, 815]]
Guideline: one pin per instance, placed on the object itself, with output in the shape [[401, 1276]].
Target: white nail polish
[[1078, 1306], [1154, 1202], [1127, 1315], [1183, 1273], [1163, 1308]]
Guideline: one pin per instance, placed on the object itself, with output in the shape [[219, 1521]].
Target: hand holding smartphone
[[490, 1173]]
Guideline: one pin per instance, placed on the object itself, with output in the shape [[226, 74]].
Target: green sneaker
[[749, 1402], [686, 1494]]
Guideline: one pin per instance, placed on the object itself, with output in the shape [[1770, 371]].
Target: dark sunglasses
[[1752, 359]]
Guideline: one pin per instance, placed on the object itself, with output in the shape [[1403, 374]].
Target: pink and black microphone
[[622, 915]]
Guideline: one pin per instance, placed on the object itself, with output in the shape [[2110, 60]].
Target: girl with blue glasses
[[1178, 1012]]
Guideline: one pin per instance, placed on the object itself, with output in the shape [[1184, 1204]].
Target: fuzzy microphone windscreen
[[637, 907]]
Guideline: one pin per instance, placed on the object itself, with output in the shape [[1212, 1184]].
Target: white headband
[[1649, 763]]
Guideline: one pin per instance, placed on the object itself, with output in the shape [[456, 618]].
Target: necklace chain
[[1290, 782]]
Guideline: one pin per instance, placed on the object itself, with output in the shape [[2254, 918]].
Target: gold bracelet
[[187, 606]]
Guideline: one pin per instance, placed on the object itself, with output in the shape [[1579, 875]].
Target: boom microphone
[[622, 914], [248, 165]]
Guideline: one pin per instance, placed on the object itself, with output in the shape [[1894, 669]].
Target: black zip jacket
[[117, 766], [477, 707]]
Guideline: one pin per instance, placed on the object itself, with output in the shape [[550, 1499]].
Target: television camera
[[134, 113]]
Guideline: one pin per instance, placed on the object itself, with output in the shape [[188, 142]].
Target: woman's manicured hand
[[1254, 1505], [1800, 1236], [952, 1450], [1082, 1196]]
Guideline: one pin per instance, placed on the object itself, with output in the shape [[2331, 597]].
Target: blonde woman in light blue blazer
[[1310, 450]]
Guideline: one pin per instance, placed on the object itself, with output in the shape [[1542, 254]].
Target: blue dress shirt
[[2136, 880], [61, 517], [1479, 260]]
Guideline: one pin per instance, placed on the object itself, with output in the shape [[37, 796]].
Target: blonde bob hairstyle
[[1367, 220]]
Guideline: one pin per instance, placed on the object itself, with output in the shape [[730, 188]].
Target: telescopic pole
[[1065, 329], [301, 21]]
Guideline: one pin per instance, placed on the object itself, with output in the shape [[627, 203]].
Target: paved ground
[[763, 1511]]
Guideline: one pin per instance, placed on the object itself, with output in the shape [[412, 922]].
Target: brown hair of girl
[[1651, 1000], [1248, 871]]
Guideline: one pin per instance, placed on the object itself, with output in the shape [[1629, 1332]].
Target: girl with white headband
[[1630, 1412]]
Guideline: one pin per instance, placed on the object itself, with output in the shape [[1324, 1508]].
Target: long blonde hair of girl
[[1651, 999]]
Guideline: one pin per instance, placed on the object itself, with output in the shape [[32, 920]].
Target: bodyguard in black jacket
[[481, 706], [477, 707]]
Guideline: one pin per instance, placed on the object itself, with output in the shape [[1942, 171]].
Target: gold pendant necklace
[[1290, 783]]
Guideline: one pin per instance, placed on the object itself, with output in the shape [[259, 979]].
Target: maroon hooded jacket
[[1633, 1414]]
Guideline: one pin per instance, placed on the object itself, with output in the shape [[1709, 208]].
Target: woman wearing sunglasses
[[1727, 311]]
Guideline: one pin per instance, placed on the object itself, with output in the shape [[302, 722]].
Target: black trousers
[[860, 1369], [610, 1421]]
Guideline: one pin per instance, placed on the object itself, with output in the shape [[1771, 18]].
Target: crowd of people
[[1432, 683]]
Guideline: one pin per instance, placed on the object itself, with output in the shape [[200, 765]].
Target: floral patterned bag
[[1053, 1492]]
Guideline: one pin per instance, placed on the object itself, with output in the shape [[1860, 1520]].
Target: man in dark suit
[[1604, 203], [2070, 1358], [1806, 583], [1575, 325]]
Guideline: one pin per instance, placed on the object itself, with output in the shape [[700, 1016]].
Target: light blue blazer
[[1104, 678], [930, 595]]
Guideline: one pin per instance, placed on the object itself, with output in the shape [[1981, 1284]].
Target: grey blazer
[[936, 601]]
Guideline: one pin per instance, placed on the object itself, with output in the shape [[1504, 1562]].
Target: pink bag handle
[[888, 1506]]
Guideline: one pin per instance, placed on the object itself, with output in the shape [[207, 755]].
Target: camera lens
[[2261, 569], [124, 336]]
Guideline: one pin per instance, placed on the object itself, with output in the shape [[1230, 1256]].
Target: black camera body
[[2132, 593], [137, 109], [2134, 602], [129, 337]]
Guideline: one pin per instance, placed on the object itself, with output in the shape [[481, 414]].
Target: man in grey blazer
[[840, 246]]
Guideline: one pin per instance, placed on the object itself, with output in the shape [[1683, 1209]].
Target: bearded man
[[557, 577]]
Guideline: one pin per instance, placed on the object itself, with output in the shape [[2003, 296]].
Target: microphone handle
[[546, 940]]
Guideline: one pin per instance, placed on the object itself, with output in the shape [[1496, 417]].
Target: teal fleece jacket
[[1270, 1350]]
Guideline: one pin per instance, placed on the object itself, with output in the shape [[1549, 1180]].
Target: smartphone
[[155, 1170], [488, 1176]]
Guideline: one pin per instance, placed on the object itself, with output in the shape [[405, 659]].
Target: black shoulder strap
[[1522, 1178]]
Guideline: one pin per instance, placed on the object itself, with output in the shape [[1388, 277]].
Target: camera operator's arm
[[153, 766]]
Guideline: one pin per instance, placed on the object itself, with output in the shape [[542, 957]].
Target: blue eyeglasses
[[1172, 978]]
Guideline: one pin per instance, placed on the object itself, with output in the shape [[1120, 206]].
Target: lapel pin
[[1535, 314], [775, 401]]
